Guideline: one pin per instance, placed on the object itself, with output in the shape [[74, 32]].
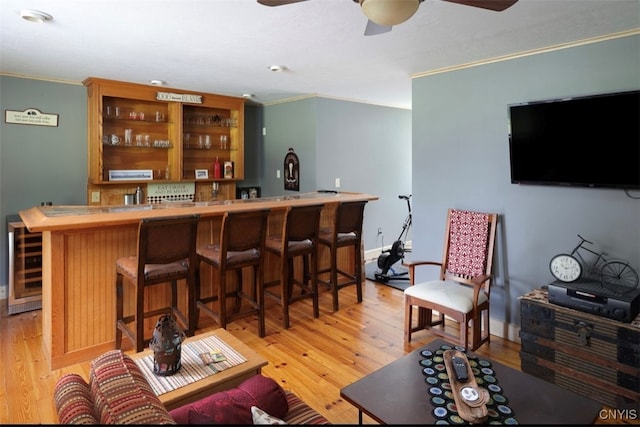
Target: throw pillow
[[234, 406], [261, 417]]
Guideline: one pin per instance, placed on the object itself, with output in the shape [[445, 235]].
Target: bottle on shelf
[[217, 172], [139, 196]]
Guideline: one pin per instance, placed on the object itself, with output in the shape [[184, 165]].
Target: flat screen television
[[587, 141]]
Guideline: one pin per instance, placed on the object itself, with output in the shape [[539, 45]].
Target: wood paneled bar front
[[81, 244]]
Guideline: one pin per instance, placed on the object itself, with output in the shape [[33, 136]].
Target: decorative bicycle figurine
[[615, 272]]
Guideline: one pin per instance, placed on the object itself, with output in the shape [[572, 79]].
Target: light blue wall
[[461, 160], [41, 163], [289, 125], [367, 147]]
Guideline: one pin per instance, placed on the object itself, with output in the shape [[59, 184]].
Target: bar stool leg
[[119, 309]]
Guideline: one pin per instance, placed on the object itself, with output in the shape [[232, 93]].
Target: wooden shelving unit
[[141, 134]]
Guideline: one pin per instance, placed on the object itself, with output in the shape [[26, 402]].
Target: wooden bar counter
[[82, 243]]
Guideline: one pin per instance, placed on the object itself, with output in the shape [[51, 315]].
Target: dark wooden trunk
[[590, 355]]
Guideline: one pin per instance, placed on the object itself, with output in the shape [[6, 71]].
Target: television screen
[[589, 141]]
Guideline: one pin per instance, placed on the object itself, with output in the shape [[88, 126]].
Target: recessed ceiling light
[[277, 68], [158, 82], [35, 16], [247, 95]]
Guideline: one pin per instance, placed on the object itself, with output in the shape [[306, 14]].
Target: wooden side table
[[224, 380]]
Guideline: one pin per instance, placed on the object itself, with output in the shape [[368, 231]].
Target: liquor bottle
[[217, 172], [139, 195]]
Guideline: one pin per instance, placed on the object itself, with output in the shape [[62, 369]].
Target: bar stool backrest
[[167, 240], [303, 223], [242, 231], [349, 217]]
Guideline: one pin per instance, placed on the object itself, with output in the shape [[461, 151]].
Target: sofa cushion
[[122, 394], [234, 406], [73, 401], [301, 413]]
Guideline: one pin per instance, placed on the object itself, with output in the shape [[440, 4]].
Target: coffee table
[[398, 394], [223, 380]]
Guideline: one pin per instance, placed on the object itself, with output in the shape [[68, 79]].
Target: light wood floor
[[315, 358]]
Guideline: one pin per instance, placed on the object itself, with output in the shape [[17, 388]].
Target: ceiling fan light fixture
[[35, 16], [389, 12]]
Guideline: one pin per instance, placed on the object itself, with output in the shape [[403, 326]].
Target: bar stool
[[166, 253], [345, 233], [299, 239], [242, 244]]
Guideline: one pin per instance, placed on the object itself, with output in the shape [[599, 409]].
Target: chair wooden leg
[[139, 321], [486, 327], [238, 292], [259, 295], [334, 278], [408, 310], [358, 272], [119, 310], [313, 278], [464, 333], [222, 300], [424, 317], [286, 285]]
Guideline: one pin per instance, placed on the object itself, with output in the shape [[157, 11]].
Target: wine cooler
[[25, 267]]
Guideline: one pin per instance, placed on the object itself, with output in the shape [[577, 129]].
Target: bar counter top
[[46, 218], [80, 245]]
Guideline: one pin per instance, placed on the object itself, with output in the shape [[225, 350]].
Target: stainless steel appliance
[[25, 267]]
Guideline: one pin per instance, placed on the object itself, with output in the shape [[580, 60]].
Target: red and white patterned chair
[[461, 291]]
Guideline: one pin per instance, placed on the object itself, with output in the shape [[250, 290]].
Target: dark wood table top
[[398, 394]]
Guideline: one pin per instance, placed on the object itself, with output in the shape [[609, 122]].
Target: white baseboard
[[507, 331], [372, 255]]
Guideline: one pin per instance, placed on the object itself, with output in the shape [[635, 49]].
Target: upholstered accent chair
[[461, 290]]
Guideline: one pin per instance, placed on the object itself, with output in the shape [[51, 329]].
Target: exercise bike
[[388, 258]]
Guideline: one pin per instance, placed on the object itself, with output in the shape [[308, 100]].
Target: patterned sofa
[[118, 393]]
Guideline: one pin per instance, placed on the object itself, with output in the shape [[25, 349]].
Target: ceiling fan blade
[[373, 29], [277, 2], [496, 5]]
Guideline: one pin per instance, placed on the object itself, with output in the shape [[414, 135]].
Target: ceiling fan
[[383, 14]]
